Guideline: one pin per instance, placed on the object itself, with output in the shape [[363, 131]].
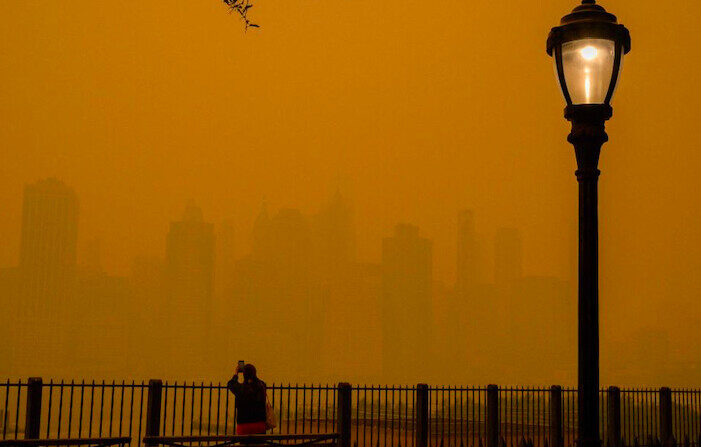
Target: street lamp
[[588, 49]]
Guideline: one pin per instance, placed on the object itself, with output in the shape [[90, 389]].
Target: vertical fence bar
[[5, 411], [80, 416], [153, 408], [60, 407], [131, 410], [70, 410], [33, 409], [17, 411]]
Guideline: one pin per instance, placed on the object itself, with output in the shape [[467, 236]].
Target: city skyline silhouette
[[299, 288]]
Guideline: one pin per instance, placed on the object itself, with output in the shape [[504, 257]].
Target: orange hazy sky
[[419, 108]]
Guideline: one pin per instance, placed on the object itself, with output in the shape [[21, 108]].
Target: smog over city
[[334, 191]]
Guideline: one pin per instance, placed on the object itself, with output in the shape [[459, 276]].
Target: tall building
[[406, 304], [275, 299], [47, 270], [471, 264], [189, 278], [508, 255], [225, 262], [48, 246], [335, 238]]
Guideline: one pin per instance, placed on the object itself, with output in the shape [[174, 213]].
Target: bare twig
[[241, 7]]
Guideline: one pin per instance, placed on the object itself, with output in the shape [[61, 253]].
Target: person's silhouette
[[250, 401]]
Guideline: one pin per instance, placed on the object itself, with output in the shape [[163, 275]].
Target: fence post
[[33, 412], [613, 427], [153, 408], [556, 439], [492, 416], [344, 411], [422, 415], [665, 414]]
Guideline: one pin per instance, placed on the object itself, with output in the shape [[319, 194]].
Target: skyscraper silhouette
[[189, 285], [48, 245], [47, 269], [470, 267], [406, 303], [335, 238]]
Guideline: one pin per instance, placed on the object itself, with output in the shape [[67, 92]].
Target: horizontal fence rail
[[380, 416]]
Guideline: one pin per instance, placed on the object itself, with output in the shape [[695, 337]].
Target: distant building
[[262, 244], [225, 258], [508, 255], [276, 305], [335, 238], [189, 279], [470, 266], [48, 247], [47, 270], [406, 304]]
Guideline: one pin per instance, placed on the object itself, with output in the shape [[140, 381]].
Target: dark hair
[[249, 373], [251, 380]]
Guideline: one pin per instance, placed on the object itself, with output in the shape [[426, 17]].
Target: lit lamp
[[588, 49]]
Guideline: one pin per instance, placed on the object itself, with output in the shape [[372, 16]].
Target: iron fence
[[208, 409], [686, 415], [381, 416], [525, 415], [639, 415], [457, 415], [12, 410]]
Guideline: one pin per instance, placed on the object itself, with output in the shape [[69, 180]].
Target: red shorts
[[251, 428]]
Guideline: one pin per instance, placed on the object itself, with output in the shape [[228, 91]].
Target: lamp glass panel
[[588, 69]]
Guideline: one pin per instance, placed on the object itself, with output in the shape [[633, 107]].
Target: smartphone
[[241, 363]]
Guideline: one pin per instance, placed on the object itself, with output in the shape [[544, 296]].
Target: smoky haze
[[362, 192]]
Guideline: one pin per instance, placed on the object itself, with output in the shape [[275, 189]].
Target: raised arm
[[233, 385]]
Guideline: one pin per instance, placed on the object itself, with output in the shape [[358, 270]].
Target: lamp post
[[588, 49]]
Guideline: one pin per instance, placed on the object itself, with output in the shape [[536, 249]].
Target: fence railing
[[380, 416]]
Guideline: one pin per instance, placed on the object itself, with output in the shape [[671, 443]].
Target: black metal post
[[33, 413], [153, 408], [614, 417], [344, 414], [666, 432], [492, 416], [422, 409], [587, 136], [556, 438]]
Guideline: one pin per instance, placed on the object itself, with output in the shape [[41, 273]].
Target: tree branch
[[241, 7]]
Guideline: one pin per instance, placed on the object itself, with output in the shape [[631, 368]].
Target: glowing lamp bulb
[[588, 52]]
